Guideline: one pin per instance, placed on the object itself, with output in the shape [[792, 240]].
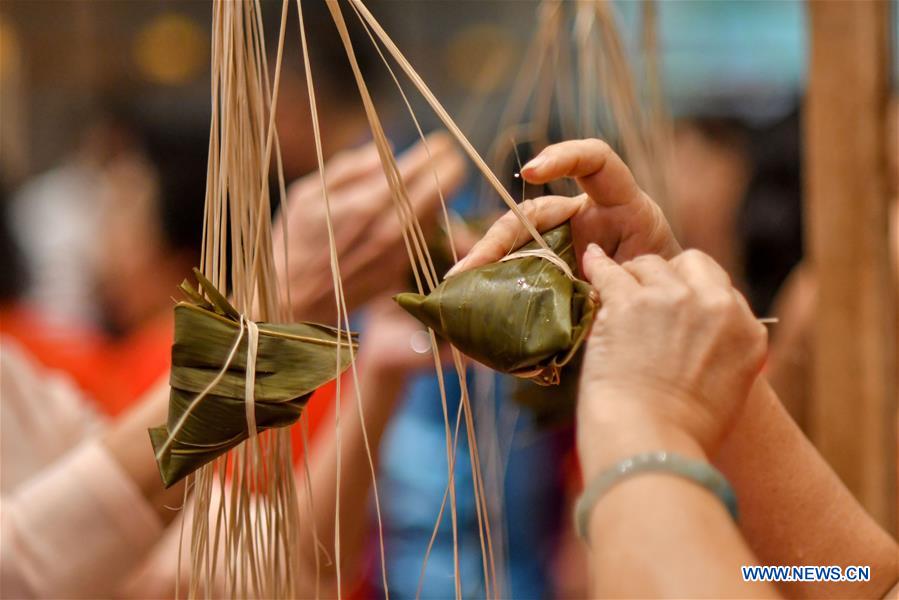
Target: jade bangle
[[697, 471]]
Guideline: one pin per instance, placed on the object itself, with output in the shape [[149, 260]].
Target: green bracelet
[[660, 461]]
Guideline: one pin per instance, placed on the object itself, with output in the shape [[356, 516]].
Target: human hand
[[395, 344], [674, 347], [613, 212], [367, 232]]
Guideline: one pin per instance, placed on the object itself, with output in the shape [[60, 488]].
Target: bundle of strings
[[577, 73], [426, 277], [245, 533]]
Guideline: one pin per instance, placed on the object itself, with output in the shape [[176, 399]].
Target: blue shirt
[[525, 504]]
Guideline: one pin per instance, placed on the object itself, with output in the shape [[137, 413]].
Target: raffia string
[[342, 316], [448, 121], [420, 247], [335, 278], [173, 432], [250, 380], [541, 253], [254, 527], [412, 231], [421, 134]]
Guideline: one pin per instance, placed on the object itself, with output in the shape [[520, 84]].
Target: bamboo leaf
[[218, 300], [292, 361], [523, 316]]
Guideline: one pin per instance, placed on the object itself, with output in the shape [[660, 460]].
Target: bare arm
[[98, 505], [660, 374], [795, 510], [662, 536]]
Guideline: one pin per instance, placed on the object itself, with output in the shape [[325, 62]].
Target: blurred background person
[[139, 241], [734, 73], [64, 200]]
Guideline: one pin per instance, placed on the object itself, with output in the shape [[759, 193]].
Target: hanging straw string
[[250, 381], [397, 187], [179, 425], [448, 121]]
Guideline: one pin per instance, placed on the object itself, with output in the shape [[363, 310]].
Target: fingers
[[599, 171], [343, 169], [690, 271], [507, 233], [653, 270], [712, 286], [700, 270], [417, 167], [437, 147], [349, 166], [608, 278], [446, 170]]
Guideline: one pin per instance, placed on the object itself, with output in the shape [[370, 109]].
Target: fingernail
[[535, 163], [456, 268]]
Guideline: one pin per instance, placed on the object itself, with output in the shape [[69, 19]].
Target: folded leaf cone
[[292, 361], [523, 316]]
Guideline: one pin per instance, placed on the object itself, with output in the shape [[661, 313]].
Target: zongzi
[[207, 404], [525, 316]]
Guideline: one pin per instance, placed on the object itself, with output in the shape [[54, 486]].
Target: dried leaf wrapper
[[524, 317], [292, 361]]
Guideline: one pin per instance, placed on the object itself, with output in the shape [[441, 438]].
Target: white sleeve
[[75, 529]]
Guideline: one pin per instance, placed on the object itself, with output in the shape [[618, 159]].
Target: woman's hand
[[674, 347], [613, 212], [367, 231]]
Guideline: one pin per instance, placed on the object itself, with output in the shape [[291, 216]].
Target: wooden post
[[853, 415]]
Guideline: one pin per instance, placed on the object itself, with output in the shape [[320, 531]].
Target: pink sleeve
[[75, 529]]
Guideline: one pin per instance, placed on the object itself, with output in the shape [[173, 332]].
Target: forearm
[[794, 509], [100, 507], [380, 392], [659, 535], [128, 443]]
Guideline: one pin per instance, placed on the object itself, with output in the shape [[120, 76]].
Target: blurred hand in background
[[613, 212], [367, 232]]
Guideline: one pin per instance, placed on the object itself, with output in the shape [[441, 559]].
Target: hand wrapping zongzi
[[523, 316], [292, 361]]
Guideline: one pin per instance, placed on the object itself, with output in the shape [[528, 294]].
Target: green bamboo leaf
[[523, 316], [293, 360], [218, 300], [193, 295]]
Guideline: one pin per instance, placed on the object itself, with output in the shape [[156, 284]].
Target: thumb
[[608, 278]]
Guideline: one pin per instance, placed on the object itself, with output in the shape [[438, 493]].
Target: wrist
[[612, 431]]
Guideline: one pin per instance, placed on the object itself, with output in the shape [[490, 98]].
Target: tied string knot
[[545, 254]]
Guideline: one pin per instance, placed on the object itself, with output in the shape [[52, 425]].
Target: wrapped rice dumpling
[[523, 316], [292, 361]]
